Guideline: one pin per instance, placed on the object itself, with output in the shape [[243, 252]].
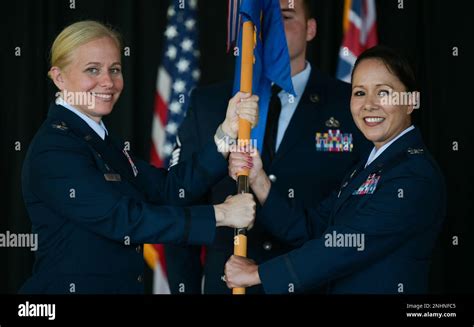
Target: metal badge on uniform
[[369, 186], [334, 141], [112, 177], [314, 98], [415, 151], [333, 123], [134, 168], [61, 126]]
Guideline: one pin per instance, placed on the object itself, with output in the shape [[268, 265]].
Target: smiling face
[[378, 120], [94, 69]]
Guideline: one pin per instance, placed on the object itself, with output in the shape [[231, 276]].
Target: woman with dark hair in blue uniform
[[92, 203], [376, 233]]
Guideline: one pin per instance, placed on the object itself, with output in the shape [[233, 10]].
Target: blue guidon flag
[[272, 61]]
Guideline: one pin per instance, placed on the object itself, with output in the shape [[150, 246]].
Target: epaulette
[[60, 125], [415, 151]]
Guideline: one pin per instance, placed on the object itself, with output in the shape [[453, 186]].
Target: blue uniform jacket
[[397, 204], [92, 214], [303, 170]]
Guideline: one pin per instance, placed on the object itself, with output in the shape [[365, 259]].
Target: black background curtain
[[425, 30]]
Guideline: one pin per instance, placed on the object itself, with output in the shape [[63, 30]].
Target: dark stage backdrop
[[425, 30]]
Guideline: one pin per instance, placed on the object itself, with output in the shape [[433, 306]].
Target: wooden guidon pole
[[246, 73]]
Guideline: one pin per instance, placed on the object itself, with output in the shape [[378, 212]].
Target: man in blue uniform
[[315, 132]]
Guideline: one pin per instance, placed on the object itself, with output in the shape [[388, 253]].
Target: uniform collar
[[410, 142], [312, 99], [73, 122], [99, 128], [410, 139], [300, 80], [109, 150], [376, 153]]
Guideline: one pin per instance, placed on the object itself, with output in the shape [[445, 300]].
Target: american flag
[[360, 33], [178, 74]]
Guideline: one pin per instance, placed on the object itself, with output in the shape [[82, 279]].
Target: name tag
[[369, 186], [334, 141], [112, 177]]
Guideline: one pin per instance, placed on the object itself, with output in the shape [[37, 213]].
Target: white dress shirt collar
[[99, 128], [290, 102], [374, 154], [299, 81]]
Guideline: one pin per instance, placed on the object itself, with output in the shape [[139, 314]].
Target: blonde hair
[[77, 34]]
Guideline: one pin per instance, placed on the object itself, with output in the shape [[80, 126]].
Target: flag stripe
[[360, 34], [177, 75]]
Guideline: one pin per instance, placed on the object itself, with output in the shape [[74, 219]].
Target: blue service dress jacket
[[93, 205], [320, 144], [375, 234]]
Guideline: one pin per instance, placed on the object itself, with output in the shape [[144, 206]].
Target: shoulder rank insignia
[[415, 151], [369, 186], [333, 123], [61, 126], [334, 141]]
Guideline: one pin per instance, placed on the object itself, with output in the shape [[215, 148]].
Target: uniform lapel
[[391, 156], [108, 151], [112, 155], [352, 184], [305, 114]]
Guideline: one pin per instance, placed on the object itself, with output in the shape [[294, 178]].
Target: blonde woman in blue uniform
[[91, 202], [376, 233]]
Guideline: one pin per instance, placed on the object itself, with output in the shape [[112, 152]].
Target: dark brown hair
[[395, 63]]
